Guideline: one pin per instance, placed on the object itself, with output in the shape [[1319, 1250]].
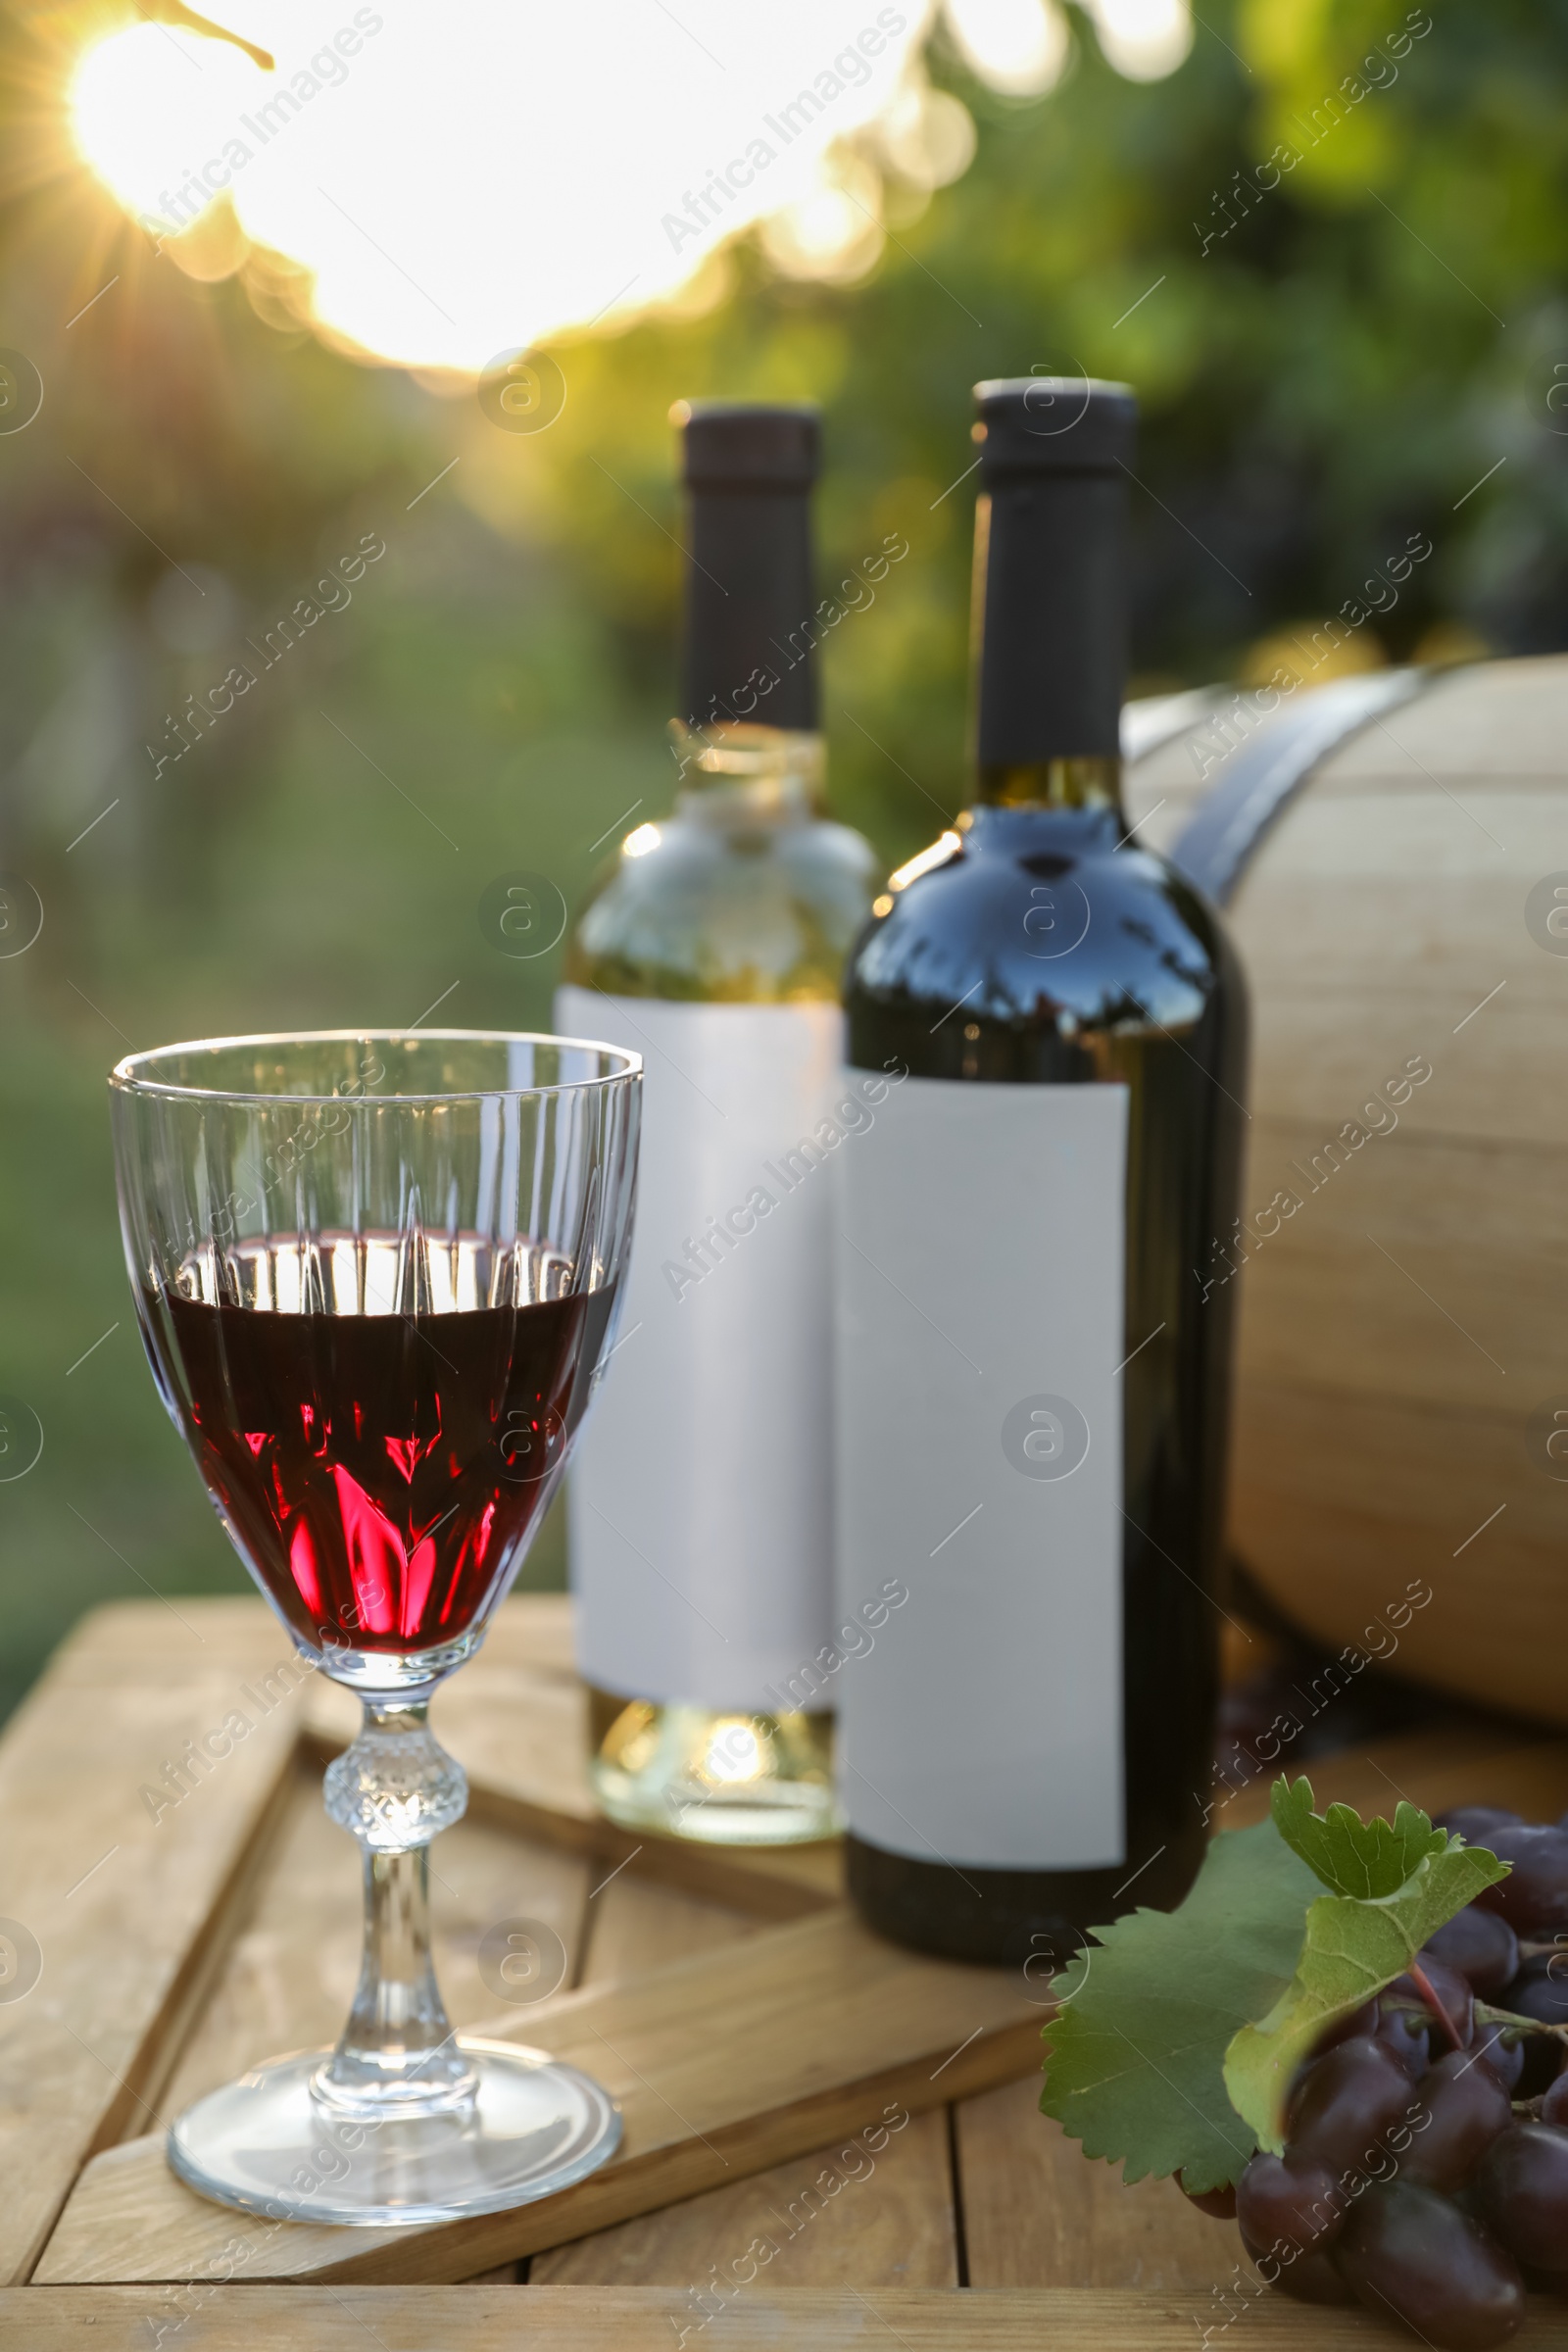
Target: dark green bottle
[[1031, 1366]]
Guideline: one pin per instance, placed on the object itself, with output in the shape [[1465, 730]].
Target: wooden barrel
[[1401, 1406]]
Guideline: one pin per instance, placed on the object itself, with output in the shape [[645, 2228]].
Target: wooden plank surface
[[867, 2212], [123, 1898], [876, 2212], [724, 2065], [516, 1719], [762, 2068], [635, 1925], [418, 2318], [1038, 2213]]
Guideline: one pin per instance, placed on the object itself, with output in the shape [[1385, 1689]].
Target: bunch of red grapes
[[1425, 2172]]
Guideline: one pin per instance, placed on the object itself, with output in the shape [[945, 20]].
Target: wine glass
[[376, 1276]]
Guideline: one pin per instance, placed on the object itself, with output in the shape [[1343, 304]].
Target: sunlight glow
[[1145, 39], [445, 192], [834, 232], [1016, 46], [451, 188]]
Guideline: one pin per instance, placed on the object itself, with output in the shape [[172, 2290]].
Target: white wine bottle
[[1032, 1370], [698, 1511]]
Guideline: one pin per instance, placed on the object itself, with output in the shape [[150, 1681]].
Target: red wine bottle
[[1032, 1363]]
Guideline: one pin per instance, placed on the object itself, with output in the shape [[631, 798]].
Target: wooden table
[[828, 2141]]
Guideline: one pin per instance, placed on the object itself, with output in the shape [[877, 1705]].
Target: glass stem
[[395, 1789]]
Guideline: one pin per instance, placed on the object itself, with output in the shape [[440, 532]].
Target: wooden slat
[[1421, 1191], [1038, 2213], [723, 2066], [867, 2215], [516, 1718], [848, 2214], [126, 1907], [1500, 719], [1479, 728], [1329, 1054], [484, 2318], [635, 1925], [1422, 1485]]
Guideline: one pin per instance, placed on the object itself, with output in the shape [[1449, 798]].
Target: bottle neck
[[1049, 640], [746, 774], [1063, 783], [749, 648]]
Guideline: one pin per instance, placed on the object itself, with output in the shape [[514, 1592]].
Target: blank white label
[[701, 1520], [981, 1281]]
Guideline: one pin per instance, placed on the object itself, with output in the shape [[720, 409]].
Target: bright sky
[[467, 181]]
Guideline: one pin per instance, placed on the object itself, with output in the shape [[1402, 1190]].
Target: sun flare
[[451, 191]]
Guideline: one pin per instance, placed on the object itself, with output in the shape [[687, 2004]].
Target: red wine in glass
[[379, 1471]]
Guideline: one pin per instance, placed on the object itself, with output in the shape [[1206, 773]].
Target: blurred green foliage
[[1331, 352]]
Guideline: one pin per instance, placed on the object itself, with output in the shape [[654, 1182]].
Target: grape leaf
[[1135, 2064], [1352, 1856], [1354, 1943]]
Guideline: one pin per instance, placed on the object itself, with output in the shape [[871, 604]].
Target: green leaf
[[1352, 1856], [1355, 1944], [1135, 2068]]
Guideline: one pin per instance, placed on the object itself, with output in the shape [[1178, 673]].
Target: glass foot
[[271, 2144]]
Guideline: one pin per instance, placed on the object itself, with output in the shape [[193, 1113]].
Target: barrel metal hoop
[[1262, 775]]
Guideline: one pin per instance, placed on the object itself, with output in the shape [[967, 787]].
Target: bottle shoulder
[[753, 912], [1044, 920]]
